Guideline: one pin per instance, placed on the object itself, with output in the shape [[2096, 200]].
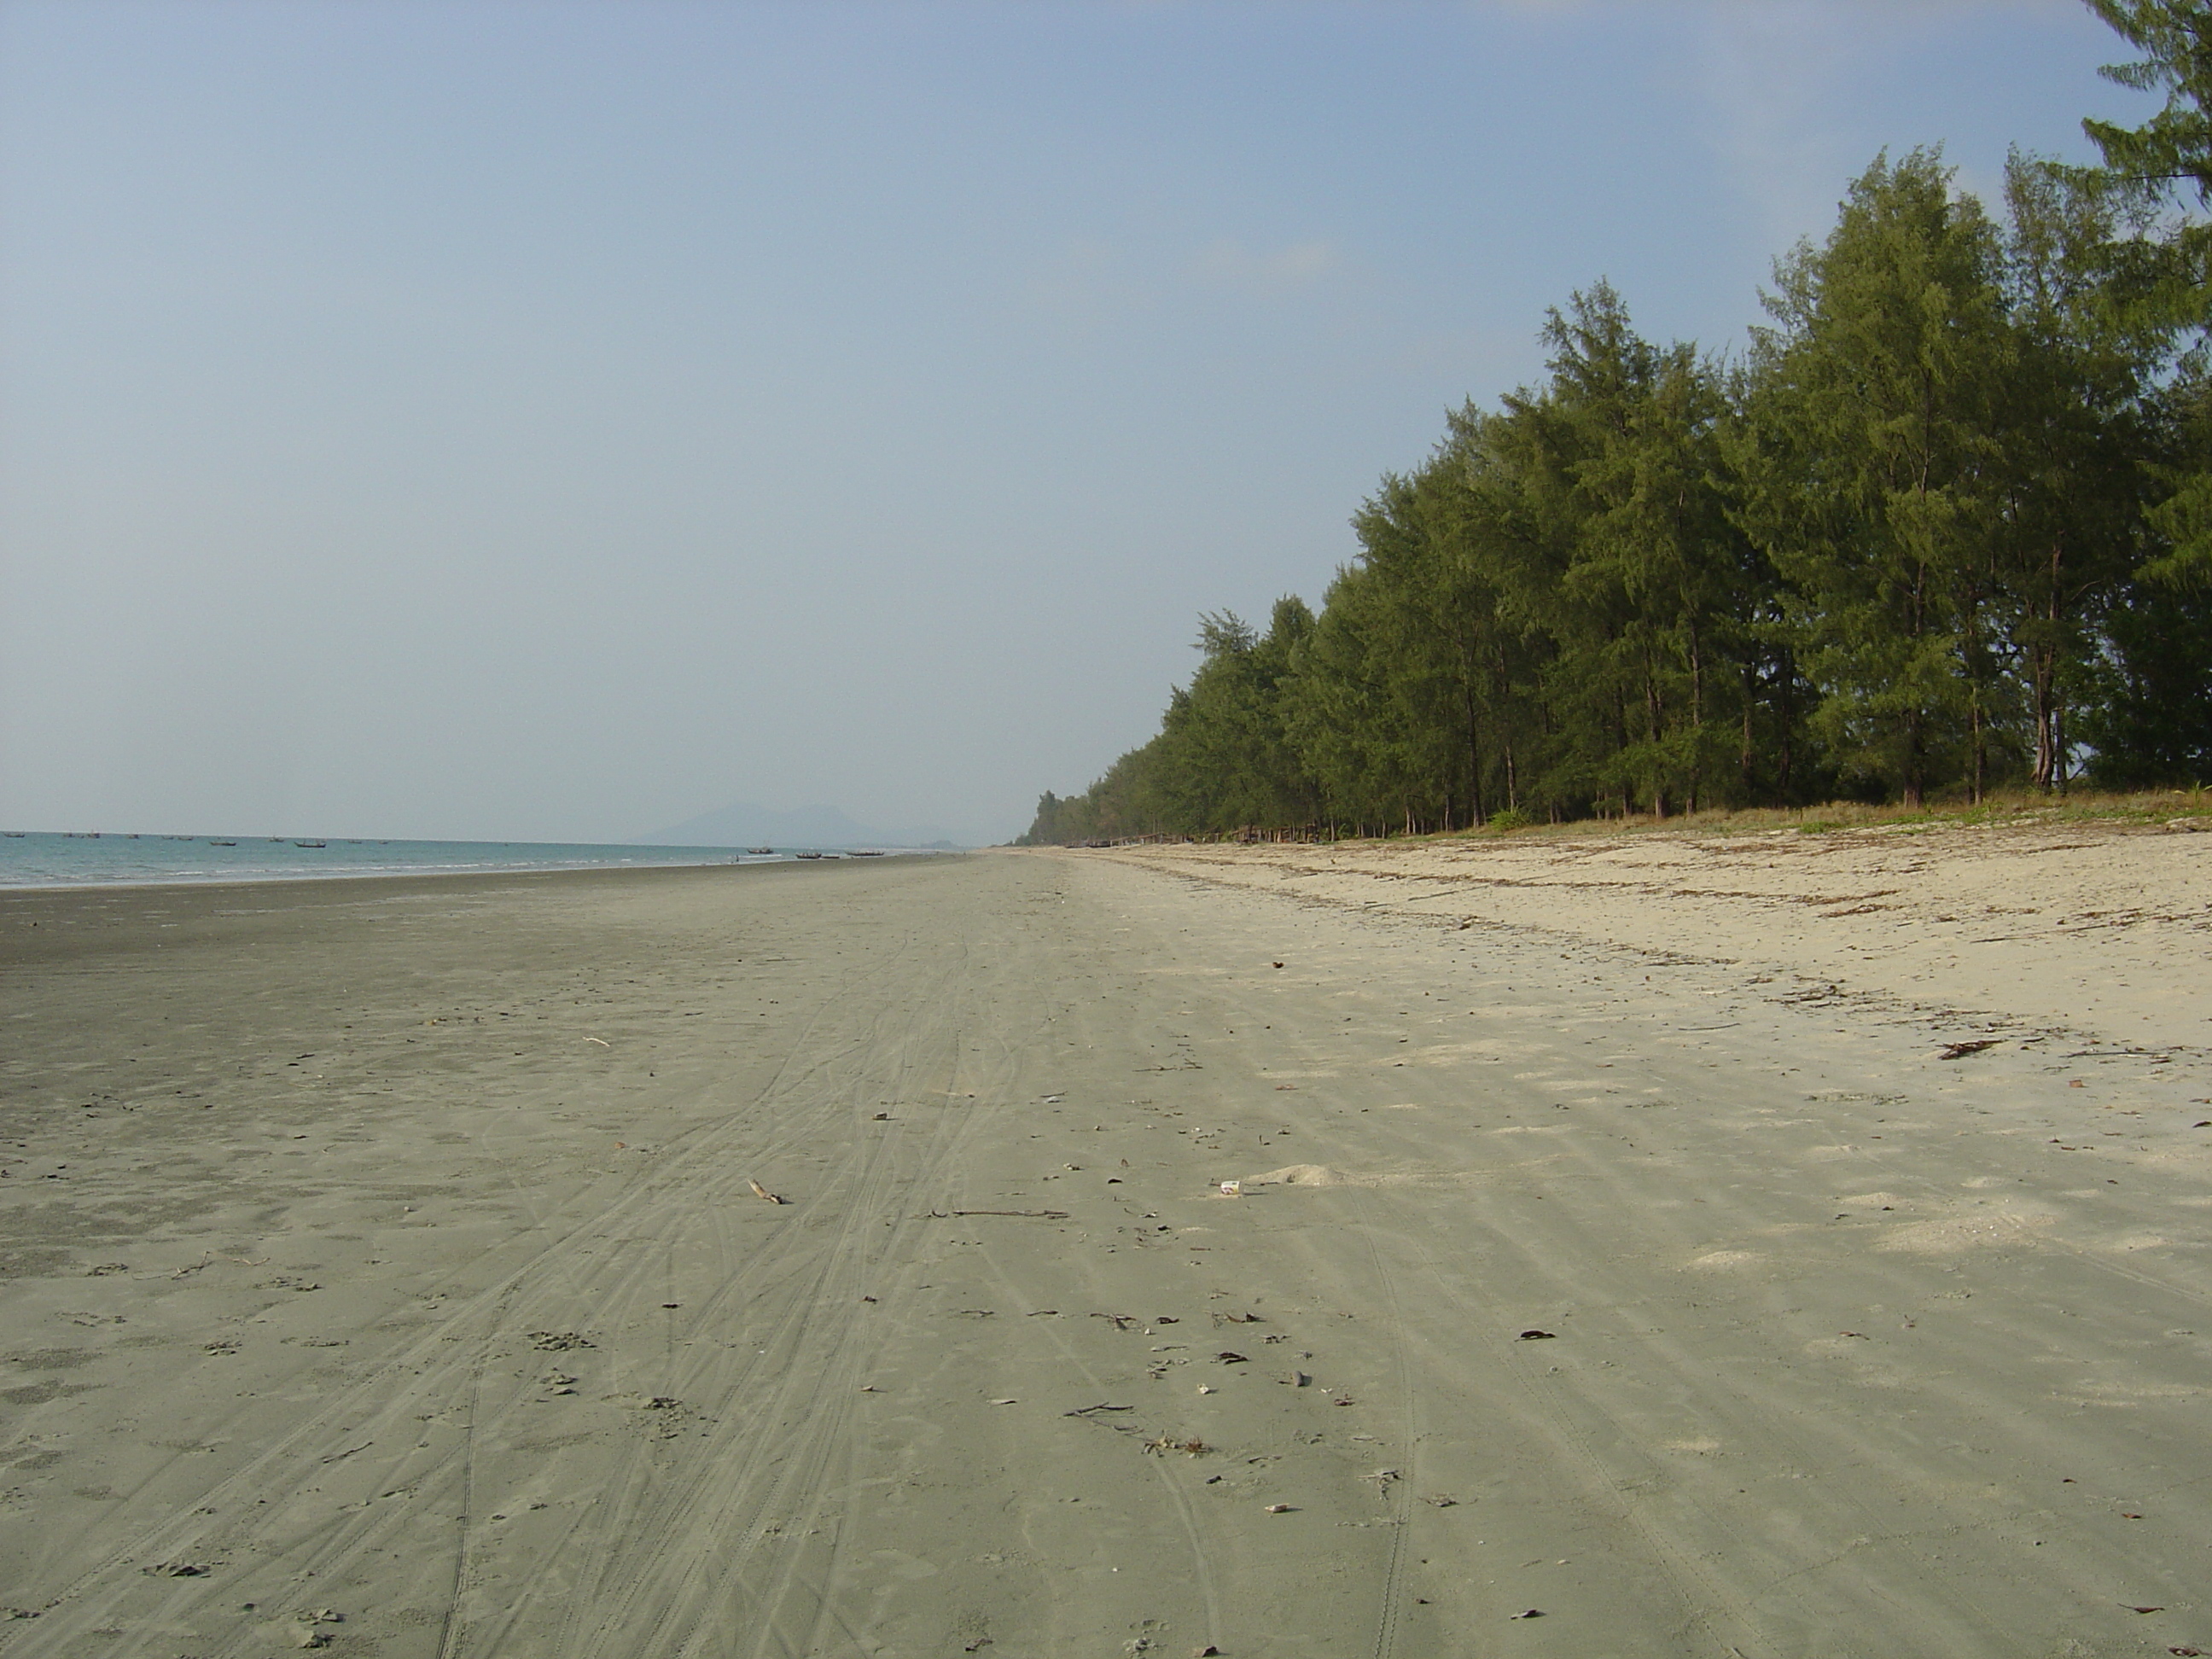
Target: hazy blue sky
[[551, 420]]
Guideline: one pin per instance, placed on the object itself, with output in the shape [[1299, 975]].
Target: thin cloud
[[1886, 8], [1771, 73], [1088, 283], [1261, 273], [1777, 79]]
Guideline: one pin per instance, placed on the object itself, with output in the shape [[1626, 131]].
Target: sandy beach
[[1792, 1245]]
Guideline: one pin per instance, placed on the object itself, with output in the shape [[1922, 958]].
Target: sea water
[[35, 860]]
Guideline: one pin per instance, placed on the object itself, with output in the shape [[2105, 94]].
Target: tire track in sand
[[731, 1540], [422, 1371]]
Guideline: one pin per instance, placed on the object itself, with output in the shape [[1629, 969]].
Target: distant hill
[[746, 825]]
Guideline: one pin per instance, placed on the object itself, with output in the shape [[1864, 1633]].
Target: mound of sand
[[1301, 1174]]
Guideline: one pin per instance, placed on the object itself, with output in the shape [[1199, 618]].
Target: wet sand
[[386, 1251]]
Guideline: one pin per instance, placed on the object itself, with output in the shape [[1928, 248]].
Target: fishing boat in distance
[[808, 855], [311, 843], [760, 851], [223, 843]]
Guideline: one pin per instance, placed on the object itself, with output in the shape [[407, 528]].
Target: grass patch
[[2019, 808]]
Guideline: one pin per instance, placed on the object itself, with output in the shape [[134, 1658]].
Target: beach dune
[[388, 1271]]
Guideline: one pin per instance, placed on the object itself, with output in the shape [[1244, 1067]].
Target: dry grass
[[2022, 808]]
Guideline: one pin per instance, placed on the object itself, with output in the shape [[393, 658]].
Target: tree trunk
[[1915, 790], [1621, 741], [1697, 714], [2050, 756], [2040, 675], [1746, 757], [1654, 719], [1473, 753], [1981, 748], [1788, 752]]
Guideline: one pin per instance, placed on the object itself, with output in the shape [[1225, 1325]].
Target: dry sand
[[386, 1251]]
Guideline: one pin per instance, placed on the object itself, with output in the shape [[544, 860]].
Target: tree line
[[1945, 525]]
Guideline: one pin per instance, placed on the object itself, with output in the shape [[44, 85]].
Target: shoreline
[[293, 878]]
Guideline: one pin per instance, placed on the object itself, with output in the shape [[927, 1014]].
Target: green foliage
[[1645, 590], [2152, 726], [2165, 166], [1875, 400], [2174, 147], [1948, 529]]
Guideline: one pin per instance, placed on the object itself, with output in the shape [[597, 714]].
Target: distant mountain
[[746, 825]]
